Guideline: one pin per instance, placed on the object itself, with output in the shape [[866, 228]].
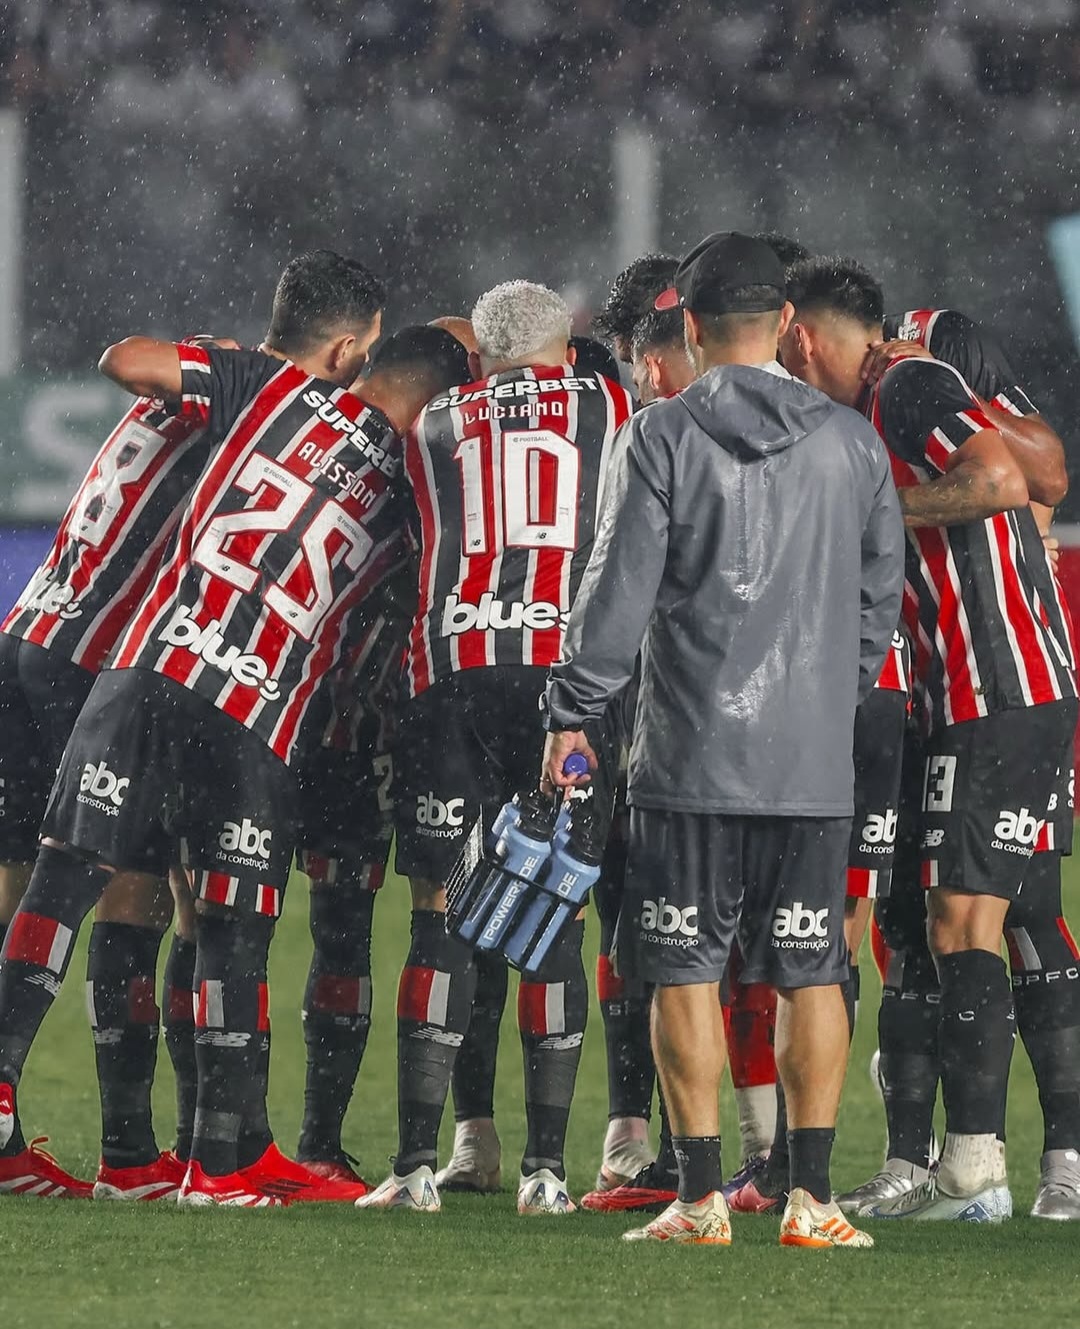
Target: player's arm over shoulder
[[145, 367], [931, 420]]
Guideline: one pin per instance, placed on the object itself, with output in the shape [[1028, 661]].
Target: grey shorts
[[695, 882]]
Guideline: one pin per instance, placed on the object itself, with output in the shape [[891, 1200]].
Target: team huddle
[[315, 598]]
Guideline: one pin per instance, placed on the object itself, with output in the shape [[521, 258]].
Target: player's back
[[295, 521], [507, 476], [114, 533]]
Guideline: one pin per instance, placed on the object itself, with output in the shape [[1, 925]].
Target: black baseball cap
[[727, 273]]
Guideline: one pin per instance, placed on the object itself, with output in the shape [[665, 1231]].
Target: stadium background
[[159, 161]]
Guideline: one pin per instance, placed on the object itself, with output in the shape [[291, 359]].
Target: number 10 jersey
[[296, 519], [507, 476]]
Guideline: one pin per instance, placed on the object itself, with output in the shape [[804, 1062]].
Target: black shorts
[[901, 915], [41, 694], [988, 785], [878, 751], [465, 747], [1057, 833], [346, 815], [695, 882], [150, 766]]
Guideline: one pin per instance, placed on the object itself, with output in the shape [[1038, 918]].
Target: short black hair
[[723, 329], [319, 295], [632, 294], [663, 327], [787, 250], [839, 285], [434, 356], [593, 357]]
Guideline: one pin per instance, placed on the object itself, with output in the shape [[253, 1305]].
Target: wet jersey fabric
[[296, 520], [507, 475], [980, 599], [114, 533]]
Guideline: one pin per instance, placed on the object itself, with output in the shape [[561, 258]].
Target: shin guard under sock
[[474, 1070], [811, 1152], [434, 1001], [1045, 966], [121, 972], [552, 1012], [336, 1014], [37, 949], [178, 1017], [909, 1064], [700, 1170], [625, 1006], [976, 1038], [231, 1024]]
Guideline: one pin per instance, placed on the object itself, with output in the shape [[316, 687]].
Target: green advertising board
[[49, 432]]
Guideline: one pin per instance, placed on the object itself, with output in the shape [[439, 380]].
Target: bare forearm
[[969, 492]]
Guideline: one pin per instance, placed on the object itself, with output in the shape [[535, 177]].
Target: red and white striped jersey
[[114, 534], [983, 365], [979, 598], [507, 476], [365, 688], [895, 673], [293, 523]]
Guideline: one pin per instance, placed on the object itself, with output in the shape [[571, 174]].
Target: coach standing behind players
[[745, 523]]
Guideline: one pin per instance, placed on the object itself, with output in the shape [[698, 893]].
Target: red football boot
[[296, 1183], [159, 1180], [335, 1169], [32, 1171], [234, 1190], [650, 1192]]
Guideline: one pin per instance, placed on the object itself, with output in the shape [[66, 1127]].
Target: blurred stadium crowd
[[458, 141]]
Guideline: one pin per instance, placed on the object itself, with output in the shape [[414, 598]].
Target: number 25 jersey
[[507, 476], [295, 520]]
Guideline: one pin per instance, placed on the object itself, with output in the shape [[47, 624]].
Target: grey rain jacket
[[751, 544]]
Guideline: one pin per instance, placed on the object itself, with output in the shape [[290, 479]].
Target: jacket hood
[[754, 413]]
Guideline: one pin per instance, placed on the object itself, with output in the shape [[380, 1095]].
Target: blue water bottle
[[521, 852], [572, 873]]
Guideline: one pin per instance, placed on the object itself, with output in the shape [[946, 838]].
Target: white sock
[[757, 1118], [971, 1162], [622, 1131], [477, 1128]]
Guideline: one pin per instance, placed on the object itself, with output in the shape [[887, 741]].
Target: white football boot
[[705, 1222], [807, 1222], [416, 1192], [543, 1193], [1058, 1196]]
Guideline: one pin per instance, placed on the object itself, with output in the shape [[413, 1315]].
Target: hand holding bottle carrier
[[534, 874]]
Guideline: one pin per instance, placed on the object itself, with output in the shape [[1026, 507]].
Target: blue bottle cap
[[575, 764]]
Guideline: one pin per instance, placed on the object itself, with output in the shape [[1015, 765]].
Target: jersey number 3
[[519, 489]]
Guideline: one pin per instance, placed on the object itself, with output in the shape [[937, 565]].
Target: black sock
[[178, 1008], [255, 1134], [552, 1013], [336, 1014], [909, 1022], [849, 990], [775, 1177], [666, 1165], [977, 1027], [121, 976], [698, 1157], [1046, 992], [62, 891], [630, 1067], [434, 1000], [474, 1070], [811, 1151], [230, 1021]]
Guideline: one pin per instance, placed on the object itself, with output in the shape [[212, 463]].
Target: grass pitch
[[478, 1263]]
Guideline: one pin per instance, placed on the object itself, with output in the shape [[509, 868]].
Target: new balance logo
[[245, 840], [492, 615], [1016, 832], [880, 830], [933, 839], [668, 924], [799, 928], [433, 812], [102, 789], [208, 644]]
